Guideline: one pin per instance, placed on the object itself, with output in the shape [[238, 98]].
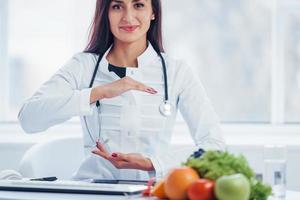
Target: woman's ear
[[153, 16]]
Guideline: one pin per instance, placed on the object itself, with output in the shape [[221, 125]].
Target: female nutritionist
[[126, 91]]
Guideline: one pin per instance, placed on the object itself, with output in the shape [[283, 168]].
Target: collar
[[147, 56], [143, 60]]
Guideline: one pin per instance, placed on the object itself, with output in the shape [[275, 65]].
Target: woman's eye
[[139, 5], [116, 7]]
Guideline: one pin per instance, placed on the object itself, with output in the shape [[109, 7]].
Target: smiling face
[[130, 19]]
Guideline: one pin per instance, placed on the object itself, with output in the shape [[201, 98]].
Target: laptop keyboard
[[71, 185], [61, 184]]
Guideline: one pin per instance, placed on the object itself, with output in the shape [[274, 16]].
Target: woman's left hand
[[124, 161]]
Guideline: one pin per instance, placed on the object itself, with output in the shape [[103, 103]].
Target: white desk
[[291, 195], [7, 195]]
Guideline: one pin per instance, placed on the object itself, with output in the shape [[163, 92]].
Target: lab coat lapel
[[147, 56], [103, 67], [143, 62]]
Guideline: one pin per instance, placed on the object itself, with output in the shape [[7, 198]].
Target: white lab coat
[[132, 121]]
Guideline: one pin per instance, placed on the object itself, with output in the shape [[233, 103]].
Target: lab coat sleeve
[[198, 112], [200, 117], [57, 100]]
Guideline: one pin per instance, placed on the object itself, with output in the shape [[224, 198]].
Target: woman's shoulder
[[85, 58], [80, 61], [80, 66], [175, 64]]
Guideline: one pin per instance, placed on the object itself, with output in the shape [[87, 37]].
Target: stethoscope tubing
[[164, 104]]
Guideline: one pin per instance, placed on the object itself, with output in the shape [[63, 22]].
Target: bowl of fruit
[[212, 175]]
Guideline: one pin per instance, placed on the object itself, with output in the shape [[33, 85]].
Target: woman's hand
[[117, 88], [124, 161]]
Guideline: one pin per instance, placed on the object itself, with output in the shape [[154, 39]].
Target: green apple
[[233, 187]]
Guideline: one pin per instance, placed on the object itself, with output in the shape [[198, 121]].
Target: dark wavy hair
[[101, 37]]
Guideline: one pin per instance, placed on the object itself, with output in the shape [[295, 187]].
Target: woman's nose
[[128, 16]]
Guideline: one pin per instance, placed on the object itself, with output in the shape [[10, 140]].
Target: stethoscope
[[165, 108]]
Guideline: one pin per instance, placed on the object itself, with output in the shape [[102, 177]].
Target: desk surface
[[12, 195], [291, 195]]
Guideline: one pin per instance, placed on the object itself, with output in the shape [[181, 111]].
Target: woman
[[116, 87]]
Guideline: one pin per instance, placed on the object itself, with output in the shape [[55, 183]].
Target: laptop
[[78, 187]]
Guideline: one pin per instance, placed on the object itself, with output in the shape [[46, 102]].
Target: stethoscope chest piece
[[165, 108]]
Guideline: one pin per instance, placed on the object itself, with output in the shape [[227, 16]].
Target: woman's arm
[[198, 112], [57, 100], [124, 161], [117, 88], [61, 97], [200, 117]]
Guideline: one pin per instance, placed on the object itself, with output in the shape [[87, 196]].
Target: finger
[[115, 159], [101, 147], [136, 85], [125, 161], [144, 88], [122, 156], [150, 90], [100, 153], [118, 157]]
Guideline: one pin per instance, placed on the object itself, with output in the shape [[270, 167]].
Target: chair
[[59, 157]]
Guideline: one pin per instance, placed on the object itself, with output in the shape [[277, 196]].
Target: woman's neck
[[125, 54]]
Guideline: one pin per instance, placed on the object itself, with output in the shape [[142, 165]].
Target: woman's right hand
[[117, 88]]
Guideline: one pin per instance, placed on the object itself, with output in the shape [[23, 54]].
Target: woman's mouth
[[129, 28]]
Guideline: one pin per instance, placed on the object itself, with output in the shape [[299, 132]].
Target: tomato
[[202, 189]]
